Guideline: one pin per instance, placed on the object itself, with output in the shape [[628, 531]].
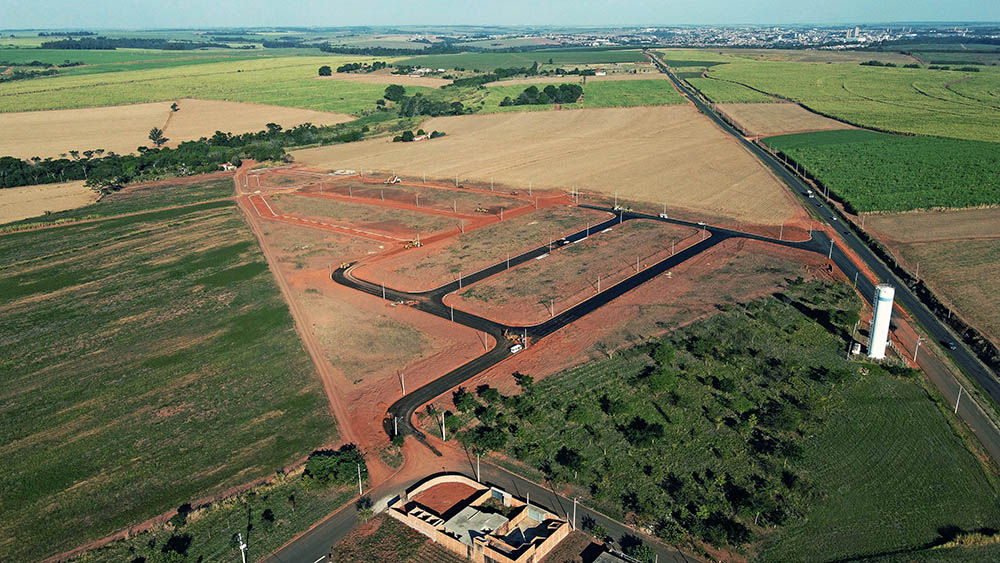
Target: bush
[[407, 137], [325, 71], [394, 92], [336, 467]]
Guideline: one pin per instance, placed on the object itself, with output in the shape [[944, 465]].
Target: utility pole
[[381, 195], [508, 260], [478, 474], [856, 279], [360, 490], [350, 191], [460, 279], [830, 255], [574, 513], [552, 307], [781, 232], [671, 248], [501, 213], [443, 438], [919, 339], [418, 199], [598, 283], [960, 389], [383, 291], [402, 381], [243, 547], [395, 425], [452, 307]]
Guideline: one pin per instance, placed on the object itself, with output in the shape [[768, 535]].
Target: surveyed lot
[[148, 361], [121, 129], [531, 292], [282, 81], [442, 262], [777, 119], [663, 154], [881, 172], [956, 252], [398, 222], [461, 201]]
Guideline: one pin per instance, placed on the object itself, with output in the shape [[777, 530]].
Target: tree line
[[112, 43], [418, 104], [563, 94], [107, 171]]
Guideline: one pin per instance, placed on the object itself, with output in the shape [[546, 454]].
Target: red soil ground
[[732, 272], [441, 498], [569, 274]]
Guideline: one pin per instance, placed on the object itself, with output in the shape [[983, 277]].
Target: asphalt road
[[398, 418]]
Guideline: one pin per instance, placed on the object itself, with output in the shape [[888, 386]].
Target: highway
[[962, 356]]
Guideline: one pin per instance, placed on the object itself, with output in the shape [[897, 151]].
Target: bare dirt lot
[[367, 341], [32, 201], [386, 77], [395, 222], [529, 293], [123, 128], [655, 154], [778, 119], [436, 264], [454, 200], [958, 256]]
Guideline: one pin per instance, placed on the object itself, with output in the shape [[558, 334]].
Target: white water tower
[[880, 324]]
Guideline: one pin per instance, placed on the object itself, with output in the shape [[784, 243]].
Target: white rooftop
[[472, 522]]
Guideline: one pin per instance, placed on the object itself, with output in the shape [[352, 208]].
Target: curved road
[[432, 302]]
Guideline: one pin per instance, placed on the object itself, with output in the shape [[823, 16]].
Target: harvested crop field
[[386, 77], [123, 128], [958, 255], [386, 220], [778, 119], [436, 264], [32, 201], [654, 154], [572, 273]]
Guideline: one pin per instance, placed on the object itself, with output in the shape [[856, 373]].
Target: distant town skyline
[[138, 14]]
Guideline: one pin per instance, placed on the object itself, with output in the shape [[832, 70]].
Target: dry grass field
[[32, 201], [657, 154], [123, 128], [778, 119], [198, 118], [958, 252]]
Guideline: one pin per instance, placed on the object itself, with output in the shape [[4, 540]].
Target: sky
[[145, 14]]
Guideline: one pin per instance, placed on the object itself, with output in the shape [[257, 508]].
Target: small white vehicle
[[810, 193], [663, 216], [516, 348]]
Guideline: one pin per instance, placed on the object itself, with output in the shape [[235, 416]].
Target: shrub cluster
[[563, 94]]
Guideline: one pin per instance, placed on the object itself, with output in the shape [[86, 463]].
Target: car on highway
[[950, 344]]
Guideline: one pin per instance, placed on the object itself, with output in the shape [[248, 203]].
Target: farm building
[[481, 523]]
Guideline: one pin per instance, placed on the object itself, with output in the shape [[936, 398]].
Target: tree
[[365, 509], [407, 136], [336, 467], [325, 71], [175, 107], [156, 135], [394, 92]]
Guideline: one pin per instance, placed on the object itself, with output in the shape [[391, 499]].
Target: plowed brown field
[[123, 128], [656, 154], [777, 119]]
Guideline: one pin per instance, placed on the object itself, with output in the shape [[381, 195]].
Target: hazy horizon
[[174, 14]]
